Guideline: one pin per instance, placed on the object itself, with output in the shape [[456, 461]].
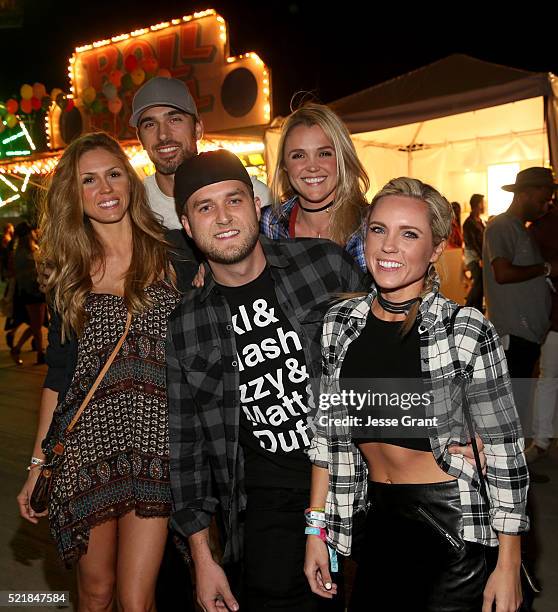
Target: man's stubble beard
[[241, 252], [169, 168]]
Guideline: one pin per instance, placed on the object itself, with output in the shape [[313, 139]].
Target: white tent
[[461, 124], [453, 124]]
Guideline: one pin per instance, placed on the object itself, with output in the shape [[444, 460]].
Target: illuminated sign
[[230, 92]]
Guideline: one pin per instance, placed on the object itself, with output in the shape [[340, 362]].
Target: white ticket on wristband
[[314, 515]]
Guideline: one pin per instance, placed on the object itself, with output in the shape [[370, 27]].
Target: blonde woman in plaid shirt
[[427, 527]]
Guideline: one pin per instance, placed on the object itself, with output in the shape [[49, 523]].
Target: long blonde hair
[[352, 180], [440, 213], [70, 246]]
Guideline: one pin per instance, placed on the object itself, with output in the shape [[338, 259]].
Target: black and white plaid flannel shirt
[[473, 353], [207, 469]]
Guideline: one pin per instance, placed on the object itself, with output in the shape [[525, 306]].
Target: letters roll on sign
[[230, 92]]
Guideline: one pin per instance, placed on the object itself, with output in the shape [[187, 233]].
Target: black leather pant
[[413, 556]]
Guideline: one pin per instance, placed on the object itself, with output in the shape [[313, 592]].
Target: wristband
[[35, 462], [314, 515], [317, 531], [315, 518], [333, 563], [547, 269], [318, 524]]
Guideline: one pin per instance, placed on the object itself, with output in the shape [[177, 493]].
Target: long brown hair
[[352, 180], [70, 246]]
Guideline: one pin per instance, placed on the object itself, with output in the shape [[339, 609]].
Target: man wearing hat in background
[[240, 354], [515, 278], [545, 233]]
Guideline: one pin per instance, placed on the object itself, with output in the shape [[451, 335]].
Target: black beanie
[[206, 169]]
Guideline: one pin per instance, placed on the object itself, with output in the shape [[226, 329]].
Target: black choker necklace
[[396, 307], [313, 210]]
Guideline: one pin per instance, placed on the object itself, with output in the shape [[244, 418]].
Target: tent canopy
[[448, 122], [455, 84], [461, 124]]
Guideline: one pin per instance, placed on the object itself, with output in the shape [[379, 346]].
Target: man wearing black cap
[[241, 352]]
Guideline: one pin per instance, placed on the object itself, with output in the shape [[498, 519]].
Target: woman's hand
[[199, 279], [468, 454], [504, 589], [25, 495], [316, 568]]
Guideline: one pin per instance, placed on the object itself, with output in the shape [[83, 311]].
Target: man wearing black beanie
[[241, 352]]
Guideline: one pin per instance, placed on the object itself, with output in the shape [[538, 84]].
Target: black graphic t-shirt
[[274, 429]]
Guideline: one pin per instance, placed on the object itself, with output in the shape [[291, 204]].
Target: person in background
[[545, 234], [515, 282], [455, 240], [14, 312], [319, 185], [27, 291], [515, 272], [7, 236], [473, 233]]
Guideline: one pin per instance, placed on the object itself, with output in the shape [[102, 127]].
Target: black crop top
[[381, 352]]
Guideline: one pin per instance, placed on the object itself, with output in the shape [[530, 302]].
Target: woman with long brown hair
[[108, 261], [319, 184]]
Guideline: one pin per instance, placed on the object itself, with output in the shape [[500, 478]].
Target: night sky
[[332, 53]]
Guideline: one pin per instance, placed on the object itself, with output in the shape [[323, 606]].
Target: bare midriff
[[398, 465]]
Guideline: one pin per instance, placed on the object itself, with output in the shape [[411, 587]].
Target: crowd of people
[[225, 322]]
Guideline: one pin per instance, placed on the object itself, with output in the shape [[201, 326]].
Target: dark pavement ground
[[28, 558]]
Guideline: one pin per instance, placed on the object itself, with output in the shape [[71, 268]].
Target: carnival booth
[[232, 94], [461, 124]]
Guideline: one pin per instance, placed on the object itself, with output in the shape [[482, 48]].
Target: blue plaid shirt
[[277, 226]]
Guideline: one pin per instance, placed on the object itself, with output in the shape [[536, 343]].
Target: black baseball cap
[[206, 169]]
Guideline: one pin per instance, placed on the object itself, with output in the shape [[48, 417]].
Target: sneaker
[[534, 453]]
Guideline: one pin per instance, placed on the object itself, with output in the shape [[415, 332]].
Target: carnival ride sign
[[230, 92]]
